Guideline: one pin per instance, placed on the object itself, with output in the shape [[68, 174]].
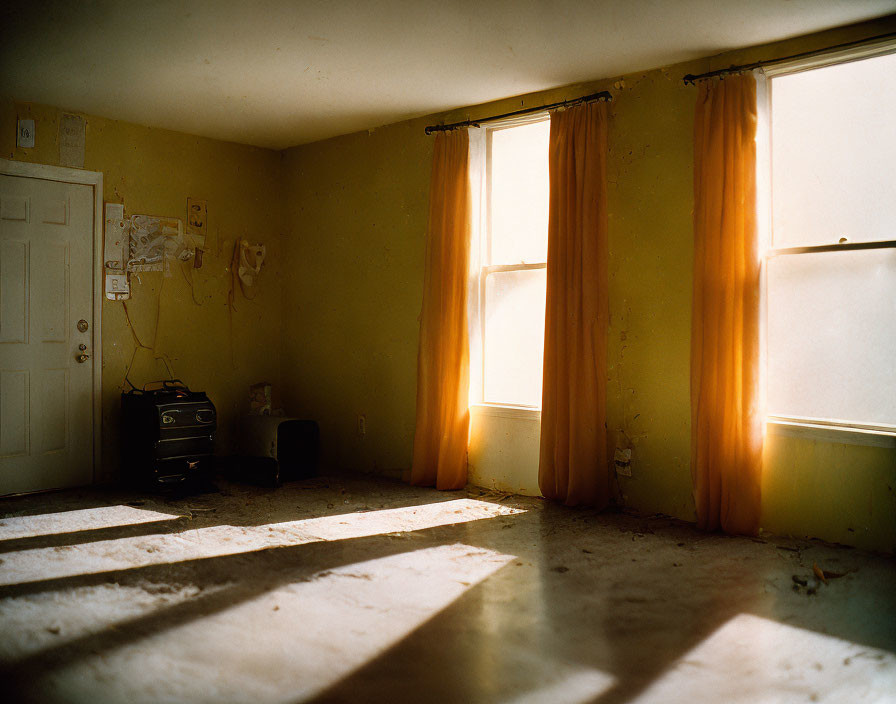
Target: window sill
[[831, 433], [501, 411]]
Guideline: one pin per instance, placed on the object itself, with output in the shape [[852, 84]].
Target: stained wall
[[184, 319], [356, 218]]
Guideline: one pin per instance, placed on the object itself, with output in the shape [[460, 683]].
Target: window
[[831, 265], [509, 255]]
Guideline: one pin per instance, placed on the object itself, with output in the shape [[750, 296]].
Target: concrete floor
[[353, 588]]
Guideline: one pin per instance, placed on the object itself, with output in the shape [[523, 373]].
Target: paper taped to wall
[[153, 241], [72, 140], [251, 258]]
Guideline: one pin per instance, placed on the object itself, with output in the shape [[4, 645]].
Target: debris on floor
[[288, 595]]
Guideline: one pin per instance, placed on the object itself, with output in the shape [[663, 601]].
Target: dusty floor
[[357, 589]]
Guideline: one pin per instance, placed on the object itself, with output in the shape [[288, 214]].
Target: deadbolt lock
[[82, 325], [82, 347]]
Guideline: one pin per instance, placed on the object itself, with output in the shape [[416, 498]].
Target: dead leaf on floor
[[825, 575], [560, 569], [837, 575]]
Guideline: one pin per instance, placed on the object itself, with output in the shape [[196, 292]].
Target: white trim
[[480, 256], [477, 230], [868, 50], [95, 180], [828, 432], [816, 429], [504, 411], [763, 218]]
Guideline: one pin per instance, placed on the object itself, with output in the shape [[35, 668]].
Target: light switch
[[25, 133]]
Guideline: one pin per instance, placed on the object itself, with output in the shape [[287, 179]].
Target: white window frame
[[480, 259], [830, 430]]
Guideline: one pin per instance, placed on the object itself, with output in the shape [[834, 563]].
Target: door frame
[[95, 180]]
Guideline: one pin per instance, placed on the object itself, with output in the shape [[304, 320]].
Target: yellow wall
[[153, 172], [356, 218], [336, 320], [355, 213]]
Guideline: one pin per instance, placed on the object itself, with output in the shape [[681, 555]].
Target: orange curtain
[[443, 363], [726, 422], [572, 465]]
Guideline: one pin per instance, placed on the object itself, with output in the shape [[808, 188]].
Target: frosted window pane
[[832, 336], [514, 336], [833, 154], [519, 194]]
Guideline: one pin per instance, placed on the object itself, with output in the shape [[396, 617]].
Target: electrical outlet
[[25, 134], [362, 424], [117, 287]]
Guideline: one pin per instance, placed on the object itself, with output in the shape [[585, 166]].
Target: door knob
[[82, 358]]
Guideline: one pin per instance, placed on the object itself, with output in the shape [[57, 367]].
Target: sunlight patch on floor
[[289, 644], [571, 686], [33, 623], [17, 527], [752, 659], [34, 565]]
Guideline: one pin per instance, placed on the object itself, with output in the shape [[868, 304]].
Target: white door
[[46, 288]]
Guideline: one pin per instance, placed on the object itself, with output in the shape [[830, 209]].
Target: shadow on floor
[[599, 595]]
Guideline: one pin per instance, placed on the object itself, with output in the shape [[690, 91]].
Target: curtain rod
[[603, 95], [691, 78]]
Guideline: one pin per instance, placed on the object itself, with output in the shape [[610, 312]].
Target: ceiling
[[274, 73]]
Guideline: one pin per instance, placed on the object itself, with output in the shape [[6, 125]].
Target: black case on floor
[[167, 436]]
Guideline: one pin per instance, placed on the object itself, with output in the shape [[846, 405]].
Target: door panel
[[46, 287], [13, 290], [50, 405], [49, 303], [13, 413]]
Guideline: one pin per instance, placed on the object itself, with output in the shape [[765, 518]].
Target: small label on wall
[[25, 134]]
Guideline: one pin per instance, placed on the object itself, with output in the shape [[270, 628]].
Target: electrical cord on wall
[[138, 344], [189, 280]]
